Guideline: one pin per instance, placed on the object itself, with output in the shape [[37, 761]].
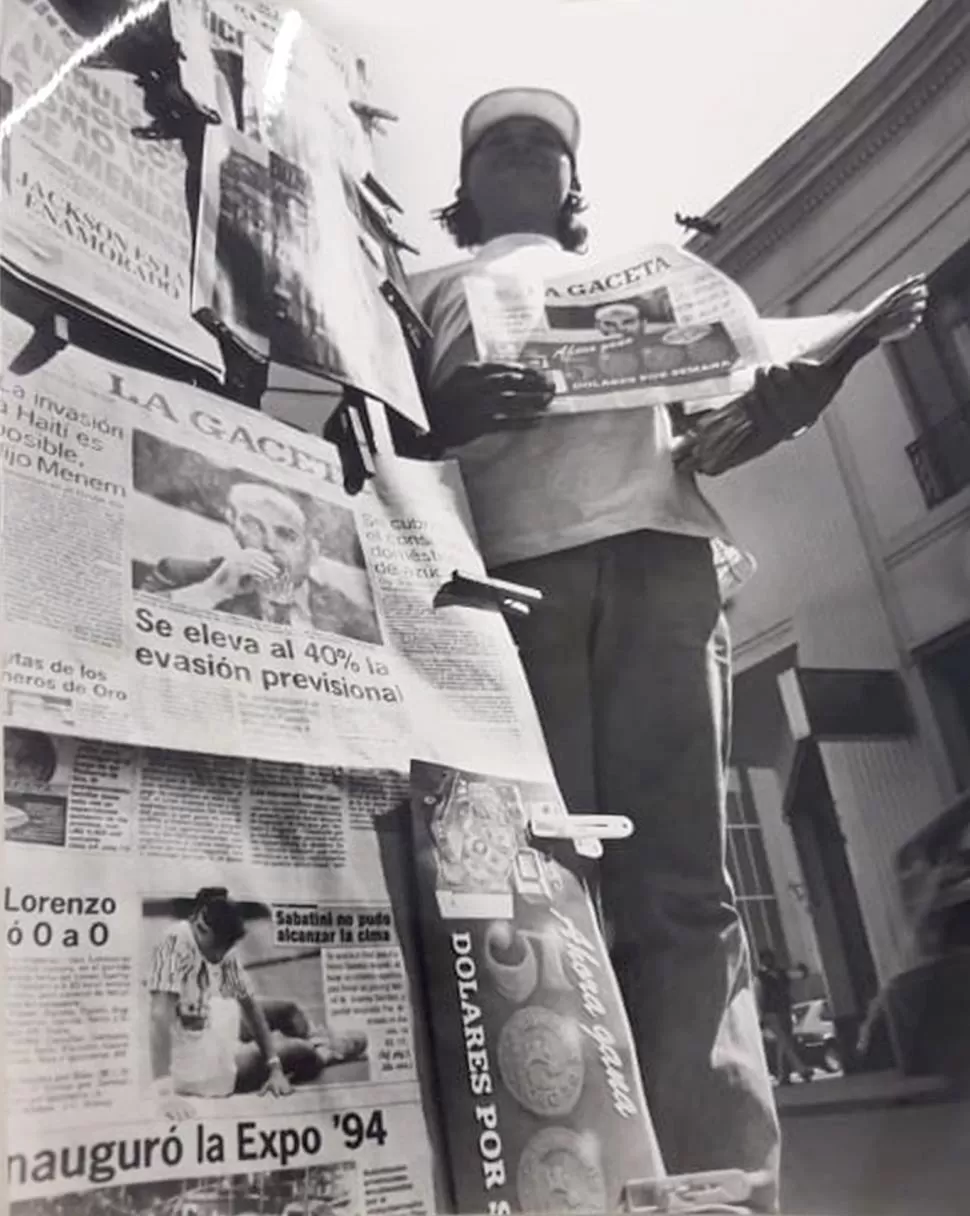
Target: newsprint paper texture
[[92, 214], [181, 572], [282, 258], [133, 1084], [650, 327], [541, 1101]]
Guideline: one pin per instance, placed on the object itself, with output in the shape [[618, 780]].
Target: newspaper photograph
[[182, 572], [285, 260], [236, 1002], [92, 214], [550, 1115]]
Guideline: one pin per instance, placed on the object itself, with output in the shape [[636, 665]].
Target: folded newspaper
[[542, 1104], [652, 327]]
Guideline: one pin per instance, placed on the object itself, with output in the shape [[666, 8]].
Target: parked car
[[815, 1035]]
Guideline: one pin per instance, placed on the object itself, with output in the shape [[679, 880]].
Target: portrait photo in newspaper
[[34, 791], [229, 1012], [226, 541], [321, 1190]]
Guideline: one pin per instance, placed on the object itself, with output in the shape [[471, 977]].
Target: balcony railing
[[941, 457]]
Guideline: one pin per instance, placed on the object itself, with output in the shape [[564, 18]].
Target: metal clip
[[708, 1191], [479, 591], [587, 832]]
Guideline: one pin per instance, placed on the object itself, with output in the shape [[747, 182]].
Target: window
[[934, 365], [947, 671], [748, 867]]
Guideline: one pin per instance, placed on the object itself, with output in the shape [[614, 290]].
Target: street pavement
[[874, 1146]]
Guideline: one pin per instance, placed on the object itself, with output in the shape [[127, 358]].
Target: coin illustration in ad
[[540, 1058], [560, 1171]]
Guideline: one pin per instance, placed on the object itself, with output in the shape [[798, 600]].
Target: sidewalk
[[859, 1092], [879, 1145]]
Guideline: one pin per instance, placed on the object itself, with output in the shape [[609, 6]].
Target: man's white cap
[[544, 104]]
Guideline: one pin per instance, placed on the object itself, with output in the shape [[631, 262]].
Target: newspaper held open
[[646, 328], [652, 327]]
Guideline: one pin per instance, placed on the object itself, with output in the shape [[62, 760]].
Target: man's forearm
[[160, 1041]]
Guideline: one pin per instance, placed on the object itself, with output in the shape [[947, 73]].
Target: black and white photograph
[[217, 539], [321, 1190], [233, 247], [34, 792], [228, 1013], [685, 398]]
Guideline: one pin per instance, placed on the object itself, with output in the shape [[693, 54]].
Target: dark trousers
[[629, 664]]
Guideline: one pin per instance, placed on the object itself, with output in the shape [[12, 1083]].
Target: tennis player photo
[[230, 1013]]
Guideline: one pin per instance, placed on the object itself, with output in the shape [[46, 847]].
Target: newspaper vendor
[[629, 659]]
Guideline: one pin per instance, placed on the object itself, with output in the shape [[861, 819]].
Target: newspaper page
[[547, 1112], [652, 327], [91, 213], [285, 258], [209, 1003], [647, 328], [182, 572]]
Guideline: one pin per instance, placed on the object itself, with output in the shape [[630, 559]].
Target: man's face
[[518, 164], [274, 523], [618, 320]]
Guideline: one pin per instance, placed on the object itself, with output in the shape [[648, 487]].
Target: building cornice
[[925, 59]]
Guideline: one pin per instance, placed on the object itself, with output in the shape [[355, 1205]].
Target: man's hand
[[238, 573], [480, 398], [907, 312], [277, 1084]]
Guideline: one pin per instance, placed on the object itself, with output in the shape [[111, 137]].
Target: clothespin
[[349, 429], [413, 324], [381, 192], [246, 376], [374, 204], [372, 116], [51, 334], [707, 1191], [479, 591], [586, 832], [697, 223]]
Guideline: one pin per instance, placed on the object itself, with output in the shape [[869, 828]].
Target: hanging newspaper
[[182, 572], [542, 1105], [286, 260], [208, 998], [92, 214]]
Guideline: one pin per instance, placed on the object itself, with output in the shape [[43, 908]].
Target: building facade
[[861, 527]]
